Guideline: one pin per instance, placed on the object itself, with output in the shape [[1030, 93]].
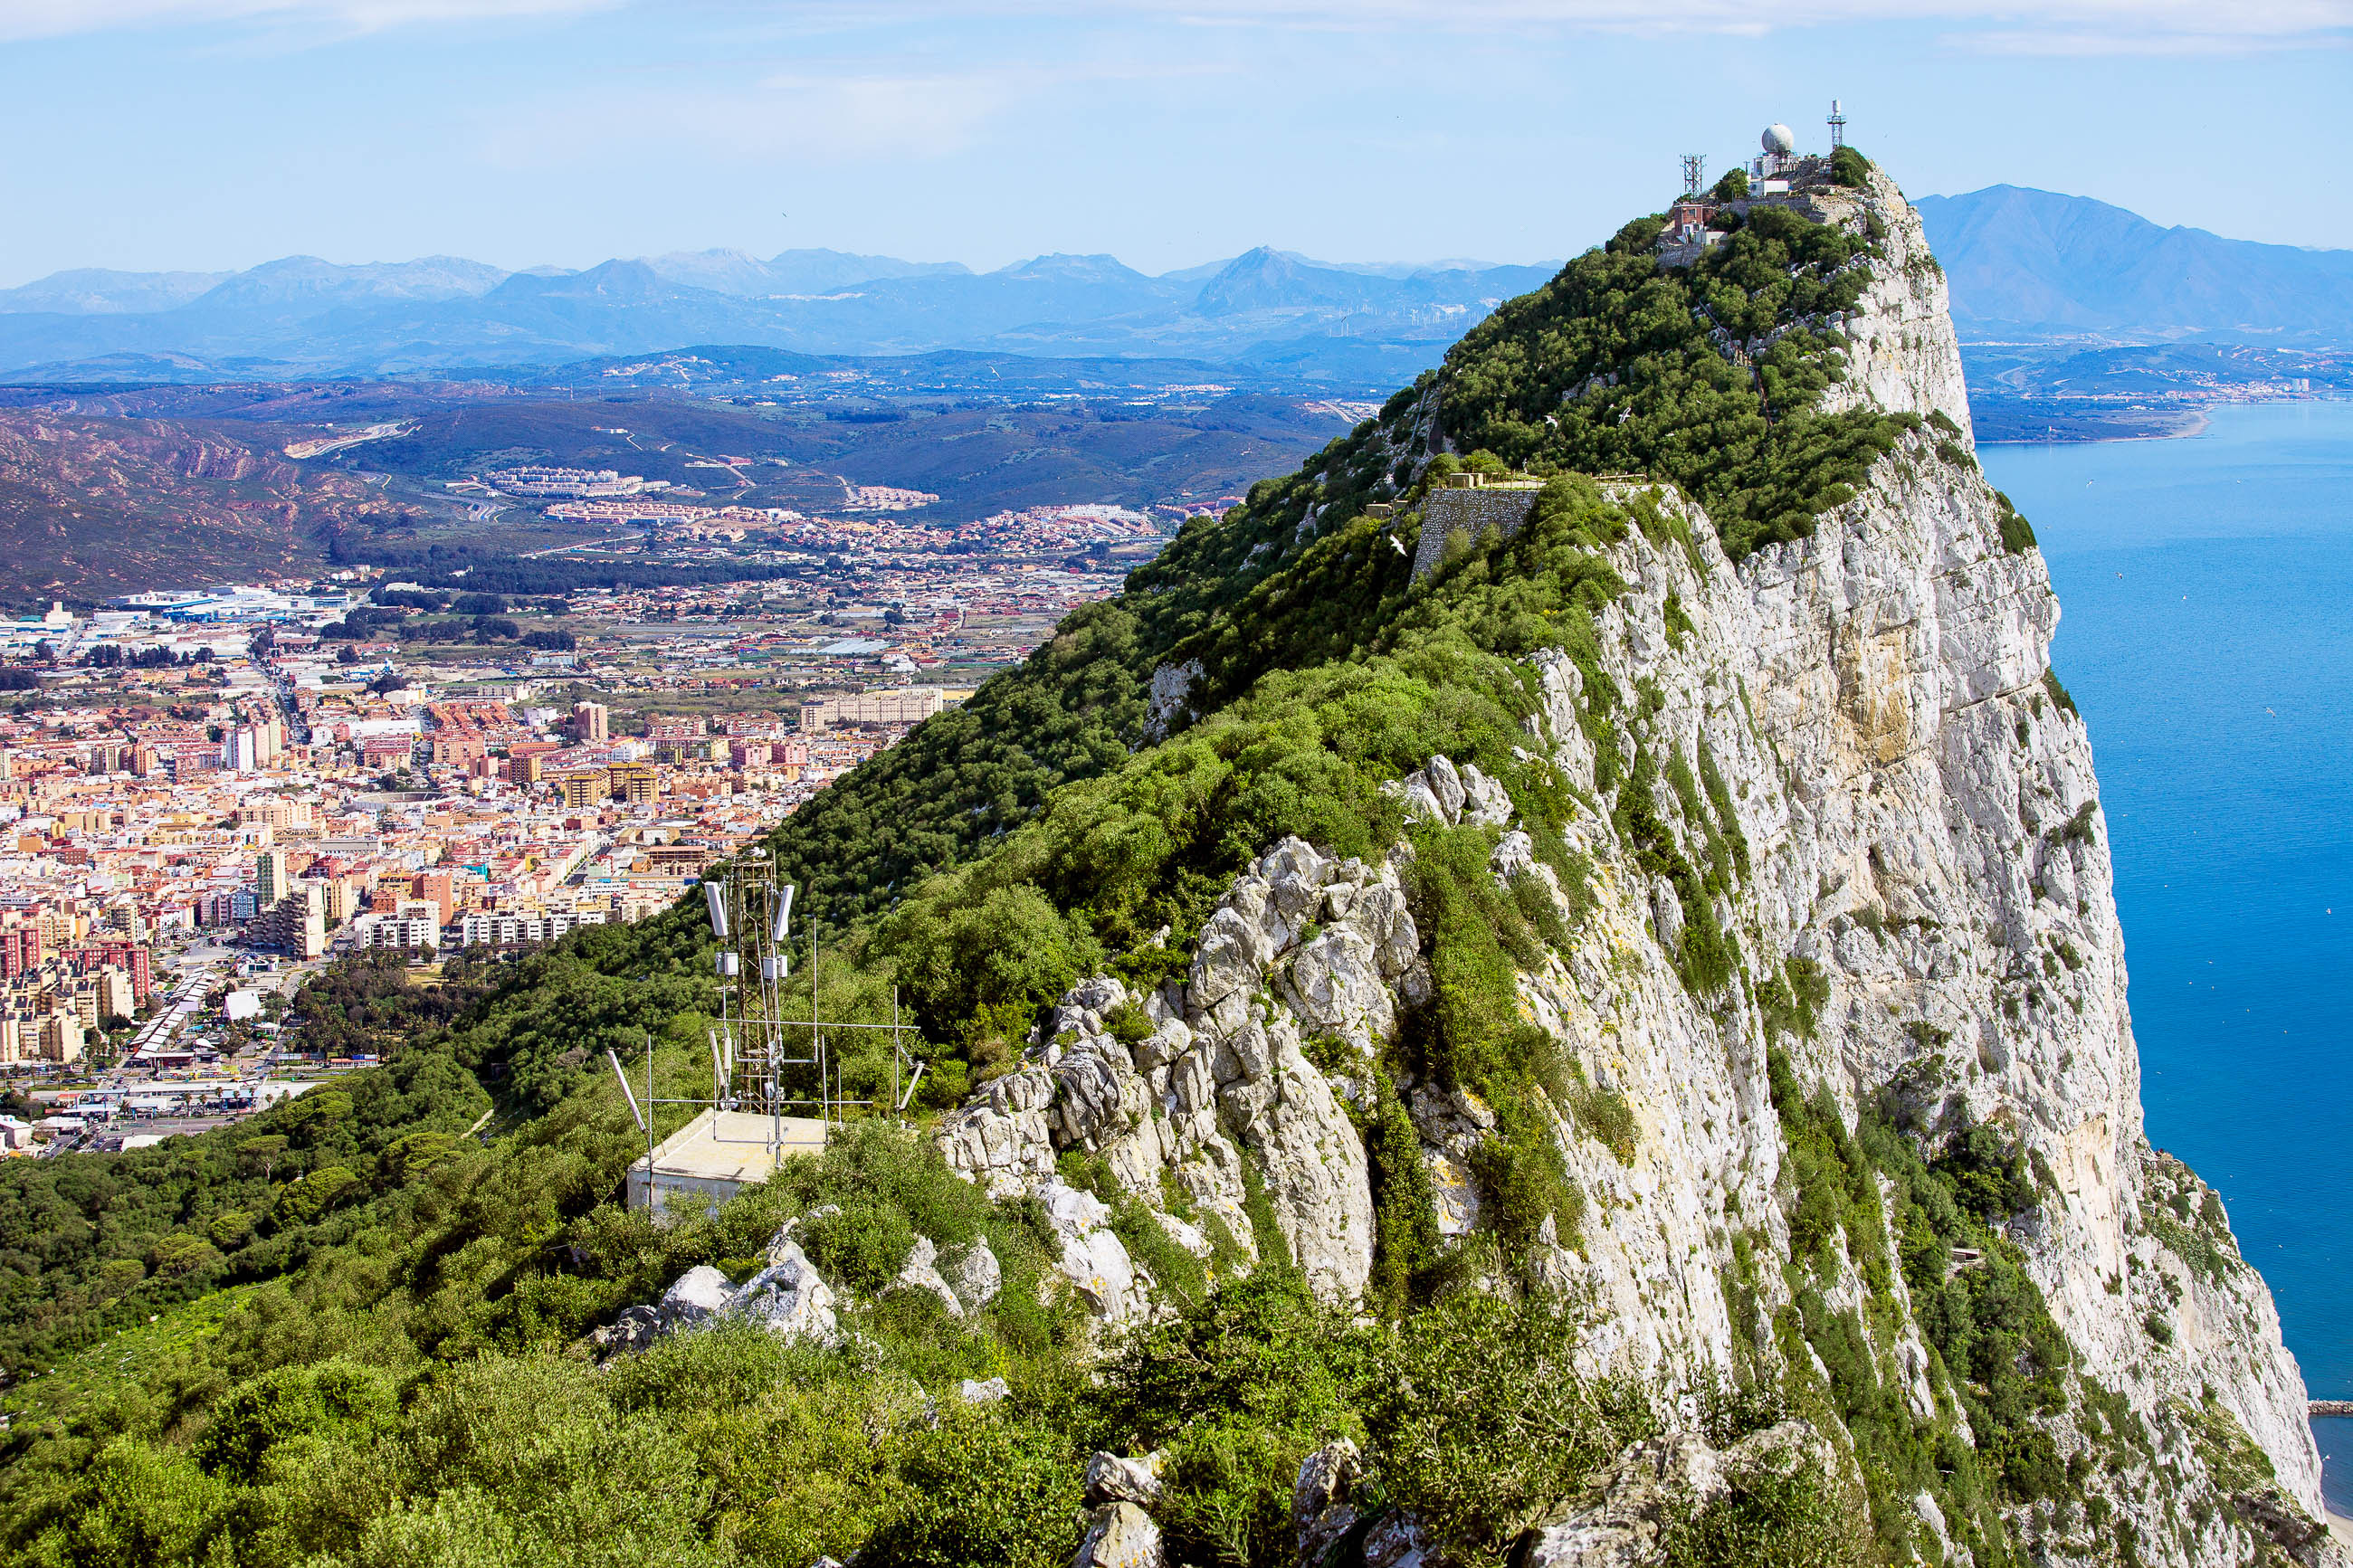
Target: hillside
[[1613, 1052], [2037, 262], [95, 507]]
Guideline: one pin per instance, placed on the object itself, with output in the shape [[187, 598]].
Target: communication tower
[[775, 1075], [765, 1060], [1838, 127], [1694, 173]]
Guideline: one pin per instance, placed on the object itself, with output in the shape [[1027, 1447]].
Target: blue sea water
[[2206, 585]]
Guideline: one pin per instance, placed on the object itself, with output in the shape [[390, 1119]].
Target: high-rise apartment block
[[636, 783], [295, 924], [588, 722], [271, 882]]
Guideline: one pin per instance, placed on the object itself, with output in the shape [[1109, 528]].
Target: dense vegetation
[[1705, 374], [396, 1376], [336, 1422]]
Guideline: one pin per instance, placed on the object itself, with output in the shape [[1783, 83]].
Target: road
[[282, 687]]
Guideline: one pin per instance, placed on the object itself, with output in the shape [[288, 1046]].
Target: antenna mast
[[751, 917], [764, 1062], [1695, 172], [1838, 127]]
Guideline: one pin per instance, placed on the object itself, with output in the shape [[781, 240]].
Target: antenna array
[[768, 1070], [756, 1055], [1695, 172], [1838, 127]]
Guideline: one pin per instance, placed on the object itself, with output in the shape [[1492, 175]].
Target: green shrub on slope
[[1707, 375]]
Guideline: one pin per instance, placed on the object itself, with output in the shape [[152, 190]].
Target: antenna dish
[[1778, 139]]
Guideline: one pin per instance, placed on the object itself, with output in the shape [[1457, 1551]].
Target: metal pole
[[816, 1040], [650, 1121], [622, 1073]]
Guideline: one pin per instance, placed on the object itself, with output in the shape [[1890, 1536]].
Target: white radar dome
[[1778, 139]]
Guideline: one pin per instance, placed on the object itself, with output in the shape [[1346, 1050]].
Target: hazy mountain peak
[[308, 282], [1063, 268], [2020, 260], [100, 292], [1263, 277]]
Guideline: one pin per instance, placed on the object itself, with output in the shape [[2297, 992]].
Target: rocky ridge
[[1918, 816]]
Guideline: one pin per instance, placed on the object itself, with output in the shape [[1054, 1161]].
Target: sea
[[2206, 633]]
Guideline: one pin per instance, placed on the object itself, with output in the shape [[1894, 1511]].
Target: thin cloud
[[2069, 26], [25, 19], [2064, 44], [2064, 26], [2282, 19]]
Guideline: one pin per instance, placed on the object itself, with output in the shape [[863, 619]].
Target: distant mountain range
[[1348, 324], [2032, 264], [2025, 267]]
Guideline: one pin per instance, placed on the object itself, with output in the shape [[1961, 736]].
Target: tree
[[348, 655]]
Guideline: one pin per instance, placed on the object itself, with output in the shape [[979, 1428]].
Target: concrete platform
[[707, 1161]]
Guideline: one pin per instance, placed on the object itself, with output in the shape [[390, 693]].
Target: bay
[[2206, 588]]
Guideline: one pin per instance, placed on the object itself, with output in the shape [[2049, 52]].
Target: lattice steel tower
[[761, 1061]]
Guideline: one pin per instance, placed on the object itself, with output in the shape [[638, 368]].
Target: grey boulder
[[697, 1296], [1121, 1535], [788, 1298], [1112, 1478]]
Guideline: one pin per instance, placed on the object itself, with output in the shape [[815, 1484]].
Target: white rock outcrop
[[1303, 948], [787, 1297], [1114, 1477], [1623, 1515], [1121, 1535], [921, 1272], [976, 1276], [694, 1298]]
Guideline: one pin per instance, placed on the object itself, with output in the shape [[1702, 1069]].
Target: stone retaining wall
[[1447, 513]]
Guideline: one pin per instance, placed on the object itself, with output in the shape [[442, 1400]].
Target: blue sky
[[148, 134]]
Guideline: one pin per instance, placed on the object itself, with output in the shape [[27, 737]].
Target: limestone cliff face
[[1922, 823]]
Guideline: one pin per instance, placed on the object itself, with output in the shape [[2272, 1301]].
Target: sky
[[213, 134]]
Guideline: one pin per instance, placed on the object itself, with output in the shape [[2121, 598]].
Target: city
[[209, 794]]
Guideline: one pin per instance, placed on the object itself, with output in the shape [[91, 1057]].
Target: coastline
[[2194, 422]]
